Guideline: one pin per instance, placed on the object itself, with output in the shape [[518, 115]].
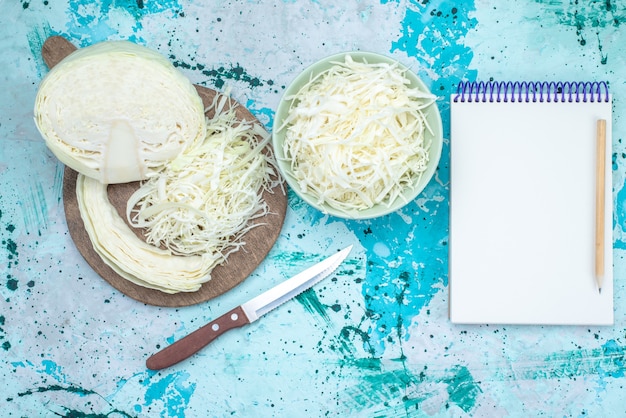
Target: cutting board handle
[[54, 49]]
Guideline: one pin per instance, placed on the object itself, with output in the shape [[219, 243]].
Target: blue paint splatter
[[54, 370], [620, 217], [36, 37], [265, 115], [616, 366], [401, 392], [172, 391], [607, 361], [462, 389], [101, 25], [431, 33], [65, 386], [588, 19]]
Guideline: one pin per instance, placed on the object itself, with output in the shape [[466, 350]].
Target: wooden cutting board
[[258, 241]]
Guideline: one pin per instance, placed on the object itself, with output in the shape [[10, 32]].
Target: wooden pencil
[[600, 199]]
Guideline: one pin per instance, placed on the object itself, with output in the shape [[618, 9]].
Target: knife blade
[[246, 313]]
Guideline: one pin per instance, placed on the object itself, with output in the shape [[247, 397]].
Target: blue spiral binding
[[532, 91]]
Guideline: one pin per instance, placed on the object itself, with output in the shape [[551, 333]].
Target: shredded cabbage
[[194, 212], [204, 199], [355, 135], [117, 111]]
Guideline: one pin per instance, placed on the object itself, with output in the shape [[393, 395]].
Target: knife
[[246, 313]]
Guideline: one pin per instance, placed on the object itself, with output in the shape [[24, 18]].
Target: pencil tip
[[600, 290]]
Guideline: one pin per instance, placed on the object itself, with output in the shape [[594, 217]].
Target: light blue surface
[[372, 341]]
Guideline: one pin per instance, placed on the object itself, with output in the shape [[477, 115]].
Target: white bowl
[[431, 114]]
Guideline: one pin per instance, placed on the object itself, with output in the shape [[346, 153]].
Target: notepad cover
[[522, 213]]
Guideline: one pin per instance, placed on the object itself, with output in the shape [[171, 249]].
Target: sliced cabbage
[[355, 135], [117, 111], [130, 257], [205, 198], [193, 212]]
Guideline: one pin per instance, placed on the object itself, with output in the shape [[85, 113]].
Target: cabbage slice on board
[[129, 256]]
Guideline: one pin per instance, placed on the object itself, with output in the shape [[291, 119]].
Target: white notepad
[[522, 204]]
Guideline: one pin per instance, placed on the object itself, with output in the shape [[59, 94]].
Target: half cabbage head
[[118, 112]]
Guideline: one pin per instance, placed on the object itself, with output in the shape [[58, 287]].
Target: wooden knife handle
[[194, 342]]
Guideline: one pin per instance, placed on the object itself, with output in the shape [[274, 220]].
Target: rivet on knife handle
[[194, 342]]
